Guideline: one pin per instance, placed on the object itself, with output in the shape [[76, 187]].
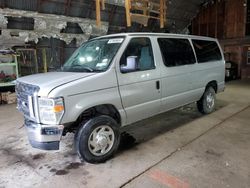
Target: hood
[[51, 80]]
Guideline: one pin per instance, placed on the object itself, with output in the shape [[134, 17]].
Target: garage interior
[[181, 148]]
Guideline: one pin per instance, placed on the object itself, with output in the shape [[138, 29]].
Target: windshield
[[93, 56]]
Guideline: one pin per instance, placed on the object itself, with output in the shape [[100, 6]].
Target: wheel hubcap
[[210, 100], [101, 140]]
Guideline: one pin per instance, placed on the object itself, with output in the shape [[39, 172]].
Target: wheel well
[[105, 109], [213, 84]]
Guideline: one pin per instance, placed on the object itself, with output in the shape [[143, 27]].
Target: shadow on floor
[[148, 129]]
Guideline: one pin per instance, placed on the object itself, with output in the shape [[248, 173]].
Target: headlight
[[51, 110]]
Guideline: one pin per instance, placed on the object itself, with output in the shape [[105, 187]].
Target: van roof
[[158, 34]]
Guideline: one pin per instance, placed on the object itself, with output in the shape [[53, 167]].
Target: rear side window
[[176, 52], [206, 51]]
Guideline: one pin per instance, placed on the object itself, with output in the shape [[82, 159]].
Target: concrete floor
[[180, 149]]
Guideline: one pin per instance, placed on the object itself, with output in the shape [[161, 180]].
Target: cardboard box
[[8, 98]]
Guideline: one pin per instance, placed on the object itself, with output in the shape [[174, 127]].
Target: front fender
[[75, 105]]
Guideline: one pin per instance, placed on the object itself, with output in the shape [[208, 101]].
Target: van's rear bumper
[[46, 137]]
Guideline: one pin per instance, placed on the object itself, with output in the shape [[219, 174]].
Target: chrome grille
[[25, 98]]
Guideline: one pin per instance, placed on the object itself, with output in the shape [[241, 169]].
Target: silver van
[[116, 80]]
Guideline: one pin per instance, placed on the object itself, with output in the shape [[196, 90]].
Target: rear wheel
[[206, 104], [97, 139]]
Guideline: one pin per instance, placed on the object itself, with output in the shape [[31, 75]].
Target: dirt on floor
[[143, 145]]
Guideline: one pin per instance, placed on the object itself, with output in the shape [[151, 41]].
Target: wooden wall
[[226, 20], [235, 19], [223, 19]]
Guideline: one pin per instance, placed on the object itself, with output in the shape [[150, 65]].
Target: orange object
[[167, 179], [58, 108]]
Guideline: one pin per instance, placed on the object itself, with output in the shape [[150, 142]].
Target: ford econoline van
[[116, 80]]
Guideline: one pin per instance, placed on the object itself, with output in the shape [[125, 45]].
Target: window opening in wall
[[72, 28], [14, 34], [22, 23], [248, 57]]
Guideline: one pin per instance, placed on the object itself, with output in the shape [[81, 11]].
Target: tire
[[206, 104], [97, 139]]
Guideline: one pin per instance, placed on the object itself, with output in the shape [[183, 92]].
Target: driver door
[[139, 80]]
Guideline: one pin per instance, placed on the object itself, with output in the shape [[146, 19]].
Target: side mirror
[[130, 64]]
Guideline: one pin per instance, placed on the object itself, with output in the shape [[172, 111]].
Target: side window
[[138, 56], [206, 51], [176, 52]]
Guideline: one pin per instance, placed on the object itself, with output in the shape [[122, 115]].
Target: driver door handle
[[157, 84]]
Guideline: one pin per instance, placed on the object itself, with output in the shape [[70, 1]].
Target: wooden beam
[[162, 5], [103, 4], [145, 12], [165, 13], [140, 18], [127, 8], [98, 13]]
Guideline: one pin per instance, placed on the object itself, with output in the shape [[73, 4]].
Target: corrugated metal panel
[[20, 23], [22, 4], [52, 8], [179, 12]]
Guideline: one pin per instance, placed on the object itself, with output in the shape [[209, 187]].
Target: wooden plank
[[145, 9], [155, 4], [128, 16], [162, 13], [103, 4], [140, 18], [98, 13], [154, 11]]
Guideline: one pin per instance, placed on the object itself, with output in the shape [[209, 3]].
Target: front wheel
[[97, 139], [206, 104]]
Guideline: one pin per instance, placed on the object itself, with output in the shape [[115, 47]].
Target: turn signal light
[[58, 108]]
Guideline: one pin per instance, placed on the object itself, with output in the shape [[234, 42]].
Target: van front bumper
[[45, 137]]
